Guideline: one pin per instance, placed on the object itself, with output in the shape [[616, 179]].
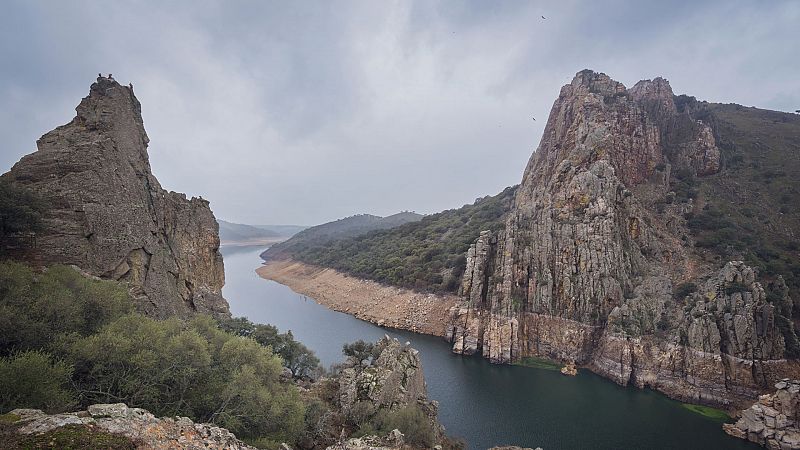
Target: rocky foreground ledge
[[774, 420], [133, 428]]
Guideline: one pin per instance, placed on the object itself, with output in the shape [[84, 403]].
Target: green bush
[[297, 357], [195, 369], [37, 308], [34, 379], [411, 421]]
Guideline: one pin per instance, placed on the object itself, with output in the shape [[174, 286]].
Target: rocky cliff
[[773, 420], [108, 214], [595, 264]]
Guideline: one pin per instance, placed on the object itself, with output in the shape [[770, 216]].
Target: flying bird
[[534, 119], [543, 17]]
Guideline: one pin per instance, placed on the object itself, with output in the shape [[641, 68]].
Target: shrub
[[296, 357], [34, 379], [684, 289], [411, 421], [195, 369], [734, 287], [36, 308]]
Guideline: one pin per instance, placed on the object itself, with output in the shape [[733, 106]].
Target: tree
[[360, 350]]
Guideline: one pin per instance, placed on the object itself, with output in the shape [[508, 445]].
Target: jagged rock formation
[[144, 429], [393, 379], [109, 215], [773, 420], [588, 270]]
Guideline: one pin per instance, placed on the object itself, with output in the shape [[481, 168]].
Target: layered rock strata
[[144, 429], [587, 270], [108, 215]]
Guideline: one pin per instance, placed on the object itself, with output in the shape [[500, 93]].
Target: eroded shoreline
[[367, 300]]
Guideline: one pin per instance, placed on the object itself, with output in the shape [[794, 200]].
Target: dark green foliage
[[361, 350], [20, 213], [734, 287], [411, 421], [423, 255], [748, 211], [296, 356], [33, 379], [69, 338], [36, 308], [683, 289]]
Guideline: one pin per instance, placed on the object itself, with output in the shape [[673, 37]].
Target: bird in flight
[[543, 17], [534, 119]]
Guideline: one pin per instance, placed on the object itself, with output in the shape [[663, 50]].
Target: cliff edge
[[108, 215]]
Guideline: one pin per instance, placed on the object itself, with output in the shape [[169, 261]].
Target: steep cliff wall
[[108, 214], [590, 262]]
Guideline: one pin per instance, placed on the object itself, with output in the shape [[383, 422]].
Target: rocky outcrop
[[108, 214], [390, 378], [384, 378], [774, 420], [144, 429], [588, 270]]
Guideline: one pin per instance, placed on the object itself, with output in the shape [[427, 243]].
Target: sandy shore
[[367, 300]]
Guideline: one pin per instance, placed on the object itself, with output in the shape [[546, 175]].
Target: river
[[482, 403]]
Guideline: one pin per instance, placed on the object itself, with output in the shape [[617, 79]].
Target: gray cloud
[[302, 112]]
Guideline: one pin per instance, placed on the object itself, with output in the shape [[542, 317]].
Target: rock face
[[393, 379], [773, 420], [390, 378], [144, 429], [109, 215], [587, 271], [394, 440]]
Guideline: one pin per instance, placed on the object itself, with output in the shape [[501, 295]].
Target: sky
[[304, 112]]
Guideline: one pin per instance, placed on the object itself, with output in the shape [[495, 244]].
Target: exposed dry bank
[[367, 300]]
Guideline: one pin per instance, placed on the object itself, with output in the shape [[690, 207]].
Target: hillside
[[235, 232], [748, 210], [319, 236], [428, 254]]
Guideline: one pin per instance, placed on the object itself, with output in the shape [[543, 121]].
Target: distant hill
[[320, 235], [428, 254], [282, 230]]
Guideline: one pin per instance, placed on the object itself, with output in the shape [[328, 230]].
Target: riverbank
[[367, 300], [252, 242]]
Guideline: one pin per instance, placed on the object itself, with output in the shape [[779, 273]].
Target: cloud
[[303, 112]]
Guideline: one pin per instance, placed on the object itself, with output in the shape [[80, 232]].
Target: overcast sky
[[304, 112]]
